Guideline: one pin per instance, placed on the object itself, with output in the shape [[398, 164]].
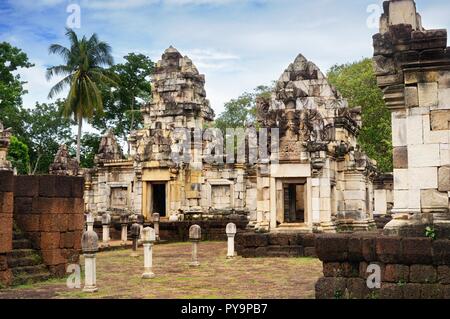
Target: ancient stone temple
[[412, 68], [63, 164], [322, 179], [314, 177]]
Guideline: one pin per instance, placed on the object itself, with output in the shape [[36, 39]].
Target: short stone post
[[106, 221], [135, 231], [231, 233], [89, 245], [148, 237], [90, 222], [195, 235], [124, 223], [156, 219]]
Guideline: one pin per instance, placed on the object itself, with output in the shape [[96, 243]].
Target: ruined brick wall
[[50, 211], [6, 224], [251, 245], [411, 268]]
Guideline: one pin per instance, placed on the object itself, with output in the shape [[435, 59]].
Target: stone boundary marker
[[411, 268]]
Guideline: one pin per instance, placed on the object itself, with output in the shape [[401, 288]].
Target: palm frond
[[57, 88]]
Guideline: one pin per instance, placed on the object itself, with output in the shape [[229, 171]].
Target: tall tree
[[11, 88], [18, 156], [46, 131], [241, 111], [83, 73], [122, 105], [357, 82]]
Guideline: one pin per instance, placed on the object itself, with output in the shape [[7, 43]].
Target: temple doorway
[[294, 203], [159, 199]]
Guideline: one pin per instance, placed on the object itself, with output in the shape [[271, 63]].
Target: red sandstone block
[[417, 251], [63, 186], [6, 203], [23, 205], [344, 269], [26, 186], [58, 270], [6, 181], [355, 248], [357, 288], [3, 262], [332, 247], [47, 186], [388, 249], [50, 240], [77, 206], [53, 257], [6, 228], [444, 275], [441, 252], [78, 187], [75, 222], [279, 239], [308, 240], [391, 291], [396, 273], [422, 274], [330, 287], [369, 248], [28, 223], [77, 239], [66, 240], [412, 291], [6, 277], [71, 255], [48, 222], [431, 291]]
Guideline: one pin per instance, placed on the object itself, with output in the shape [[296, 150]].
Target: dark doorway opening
[[159, 199], [294, 203]]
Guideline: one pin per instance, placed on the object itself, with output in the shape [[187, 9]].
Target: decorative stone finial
[[89, 242], [106, 219], [109, 149], [135, 230], [149, 235], [63, 164], [231, 229], [195, 233]]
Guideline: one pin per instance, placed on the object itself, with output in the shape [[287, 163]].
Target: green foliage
[[83, 73], [241, 111], [11, 87], [90, 144], [18, 155], [430, 232], [357, 82], [46, 131], [122, 104]]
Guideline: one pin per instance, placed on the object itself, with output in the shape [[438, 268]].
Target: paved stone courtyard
[[118, 276]]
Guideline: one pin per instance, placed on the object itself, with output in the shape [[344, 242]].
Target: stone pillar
[[231, 232], [106, 221], [90, 222], [412, 68], [89, 244], [148, 238], [124, 223], [156, 220], [135, 231], [195, 235]]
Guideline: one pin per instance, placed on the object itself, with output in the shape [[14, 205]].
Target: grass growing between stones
[[119, 276]]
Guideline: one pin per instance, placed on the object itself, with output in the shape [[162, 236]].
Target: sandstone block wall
[[411, 268], [6, 224], [50, 211], [251, 245]]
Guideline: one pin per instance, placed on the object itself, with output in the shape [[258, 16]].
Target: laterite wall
[[50, 211], [6, 224], [411, 268]]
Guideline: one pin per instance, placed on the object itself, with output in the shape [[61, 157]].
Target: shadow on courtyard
[[119, 276]]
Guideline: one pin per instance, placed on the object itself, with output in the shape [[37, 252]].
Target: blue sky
[[237, 44]]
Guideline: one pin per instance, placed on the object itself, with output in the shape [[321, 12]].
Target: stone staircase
[[25, 262]]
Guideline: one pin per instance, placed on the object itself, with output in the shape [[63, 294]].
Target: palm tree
[[83, 73]]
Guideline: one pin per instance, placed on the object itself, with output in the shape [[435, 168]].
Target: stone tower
[[412, 68]]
